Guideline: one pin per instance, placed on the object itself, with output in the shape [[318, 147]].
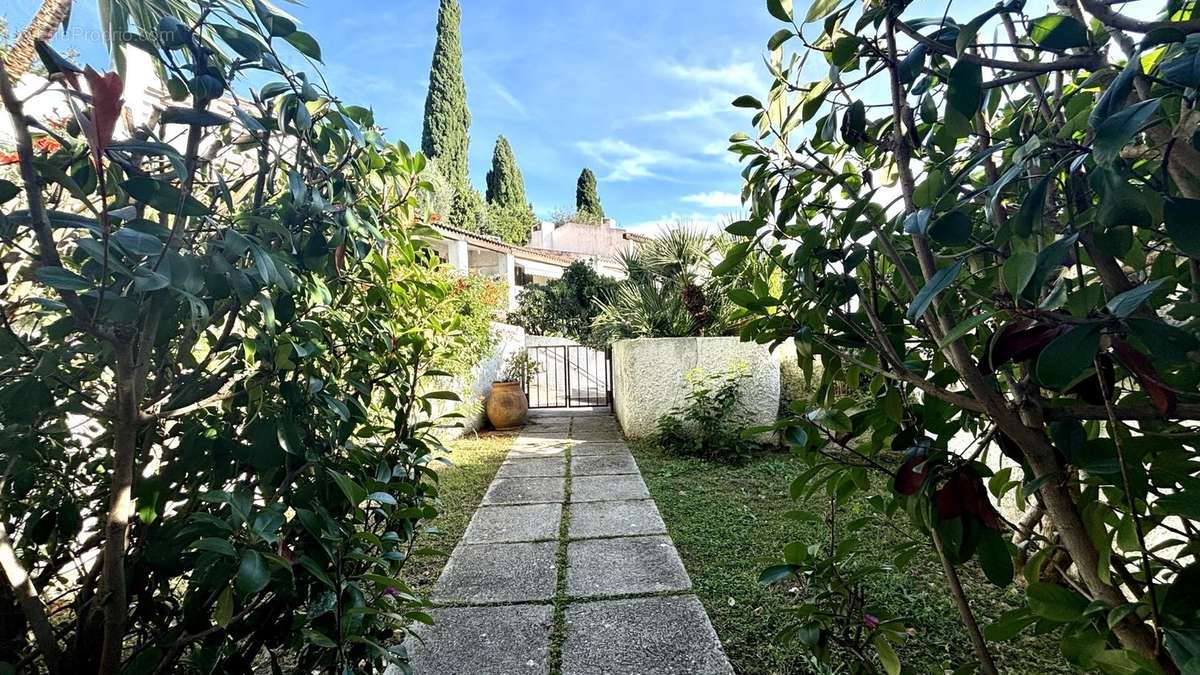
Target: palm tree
[[668, 290], [116, 16], [43, 26]]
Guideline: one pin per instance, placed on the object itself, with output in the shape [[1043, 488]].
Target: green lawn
[[728, 524], [475, 460]]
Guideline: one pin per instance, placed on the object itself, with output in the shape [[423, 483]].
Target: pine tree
[[505, 187], [447, 119], [587, 200]]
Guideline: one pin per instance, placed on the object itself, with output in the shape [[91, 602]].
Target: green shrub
[[563, 307], [711, 421]]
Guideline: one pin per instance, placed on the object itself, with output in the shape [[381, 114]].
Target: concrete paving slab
[[503, 524], [603, 465], [624, 566], [596, 435], [607, 488], [615, 519], [647, 636], [511, 639], [516, 467], [596, 424], [498, 573], [524, 491], [585, 448], [534, 450]]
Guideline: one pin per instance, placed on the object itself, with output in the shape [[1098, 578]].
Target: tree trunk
[[43, 26]]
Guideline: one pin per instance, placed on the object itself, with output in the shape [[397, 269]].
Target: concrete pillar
[[547, 235], [510, 278], [459, 256]]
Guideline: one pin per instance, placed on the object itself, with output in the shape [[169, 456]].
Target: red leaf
[[106, 109], [1018, 341], [912, 474], [964, 493], [1140, 365]]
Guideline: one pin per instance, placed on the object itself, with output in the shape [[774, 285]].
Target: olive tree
[[216, 425], [987, 231]]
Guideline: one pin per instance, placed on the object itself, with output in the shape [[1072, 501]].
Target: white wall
[[650, 378], [509, 340]]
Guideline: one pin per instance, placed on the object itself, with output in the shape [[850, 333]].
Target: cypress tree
[[447, 120], [505, 186], [587, 200]]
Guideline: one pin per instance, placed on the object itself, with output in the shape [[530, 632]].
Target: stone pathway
[[566, 569]]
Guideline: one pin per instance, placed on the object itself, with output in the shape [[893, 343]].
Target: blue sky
[[638, 90]]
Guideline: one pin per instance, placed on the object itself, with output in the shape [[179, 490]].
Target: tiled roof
[[496, 244]]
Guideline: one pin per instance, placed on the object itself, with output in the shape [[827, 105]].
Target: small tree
[[587, 199], [999, 246], [505, 186], [563, 307]]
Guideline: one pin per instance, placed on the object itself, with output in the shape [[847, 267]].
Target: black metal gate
[[569, 376]]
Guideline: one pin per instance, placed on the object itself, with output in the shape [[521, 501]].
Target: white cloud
[[737, 75], [626, 161], [699, 221], [718, 103], [720, 149], [715, 200]]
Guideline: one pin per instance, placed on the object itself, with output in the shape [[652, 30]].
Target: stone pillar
[[459, 256], [547, 240]]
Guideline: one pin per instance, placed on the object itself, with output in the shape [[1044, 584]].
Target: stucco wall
[[475, 387], [650, 377]]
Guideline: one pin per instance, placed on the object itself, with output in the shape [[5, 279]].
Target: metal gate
[[569, 376]]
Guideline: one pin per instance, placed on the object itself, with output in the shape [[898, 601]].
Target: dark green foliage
[[446, 133], [563, 307], [513, 224], [995, 328], [709, 424], [467, 210], [587, 198], [505, 186], [252, 374]]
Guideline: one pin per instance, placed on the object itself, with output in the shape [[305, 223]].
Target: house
[[604, 242], [517, 266]]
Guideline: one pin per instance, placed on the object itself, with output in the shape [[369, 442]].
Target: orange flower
[[46, 144], [7, 158]]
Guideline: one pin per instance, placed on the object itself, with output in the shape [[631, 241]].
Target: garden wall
[[650, 377], [475, 387]]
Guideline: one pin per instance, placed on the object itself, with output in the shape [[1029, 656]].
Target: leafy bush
[[513, 224], [563, 307], [214, 417], [709, 424], [519, 368], [1001, 247]]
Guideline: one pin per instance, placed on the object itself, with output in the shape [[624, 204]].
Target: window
[[522, 277]]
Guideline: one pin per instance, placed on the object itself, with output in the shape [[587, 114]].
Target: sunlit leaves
[[1057, 31]]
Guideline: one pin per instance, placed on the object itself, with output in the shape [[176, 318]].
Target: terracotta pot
[[507, 406]]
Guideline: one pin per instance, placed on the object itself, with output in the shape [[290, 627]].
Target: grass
[[474, 462], [728, 524]]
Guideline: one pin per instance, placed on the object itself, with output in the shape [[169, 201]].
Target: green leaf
[[936, 284], [305, 44], [1185, 503], [1058, 31], [1128, 302], [887, 655], [966, 89], [1009, 625], [63, 280], [966, 33], [354, 492], [193, 117], [733, 258], [1117, 131], [1029, 215], [780, 9], [8, 190], [964, 327], [743, 228], [1182, 217], [1120, 203], [246, 45], [137, 242], [747, 101], [820, 9], [223, 614], [952, 229], [1055, 603], [781, 36], [776, 573], [1067, 356], [253, 574], [994, 558], [1018, 270], [1165, 341]]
